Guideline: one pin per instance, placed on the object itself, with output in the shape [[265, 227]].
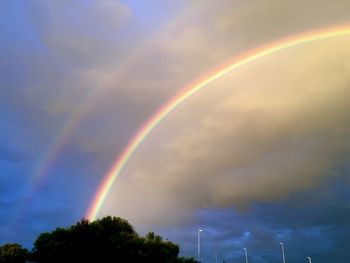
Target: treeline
[[110, 239]]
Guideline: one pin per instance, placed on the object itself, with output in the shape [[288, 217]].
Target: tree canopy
[[110, 239], [13, 253]]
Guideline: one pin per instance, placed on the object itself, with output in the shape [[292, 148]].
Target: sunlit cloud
[[264, 132]]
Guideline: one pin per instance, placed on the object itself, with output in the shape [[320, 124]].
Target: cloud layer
[[270, 131], [262, 133]]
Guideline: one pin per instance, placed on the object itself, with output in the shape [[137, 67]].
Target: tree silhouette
[[13, 253], [110, 239]]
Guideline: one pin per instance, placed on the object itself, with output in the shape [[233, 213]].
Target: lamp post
[[199, 244], [283, 257], [216, 257], [246, 255], [309, 259]]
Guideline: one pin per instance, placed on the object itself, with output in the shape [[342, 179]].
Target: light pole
[[216, 257], [246, 255], [199, 244], [283, 257], [309, 259]]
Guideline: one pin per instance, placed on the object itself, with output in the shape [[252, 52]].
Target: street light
[[199, 244], [309, 259], [216, 257], [284, 259], [246, 255]]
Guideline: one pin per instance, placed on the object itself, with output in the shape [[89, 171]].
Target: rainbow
[[188, 91], [55, 146], [63, 135]]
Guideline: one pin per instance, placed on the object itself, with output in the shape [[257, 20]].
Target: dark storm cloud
[[316, 227]]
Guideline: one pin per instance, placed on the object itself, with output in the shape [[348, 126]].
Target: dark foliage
[[110, 239], [187, 260], [13, 253]]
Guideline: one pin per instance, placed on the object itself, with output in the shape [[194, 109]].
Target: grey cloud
[[81, 33], [207, 35], [252, 136], [302, 222]]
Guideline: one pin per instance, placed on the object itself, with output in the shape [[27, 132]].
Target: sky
[[257, 157]]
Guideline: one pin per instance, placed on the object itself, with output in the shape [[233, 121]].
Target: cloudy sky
[[258, 157]]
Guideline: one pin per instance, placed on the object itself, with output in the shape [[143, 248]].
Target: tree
[[187, 260], [156, 250], [110, 239], [13, 253], [107, 238]]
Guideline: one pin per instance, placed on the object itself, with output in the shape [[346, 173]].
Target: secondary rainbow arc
[[177, 100]]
